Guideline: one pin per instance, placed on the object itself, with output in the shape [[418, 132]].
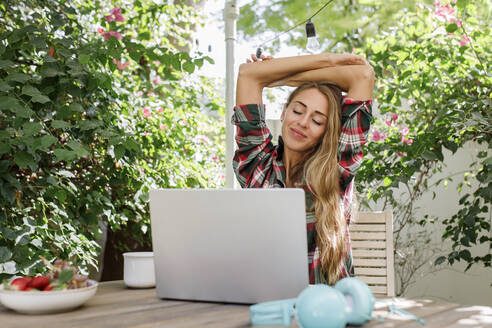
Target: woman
[[320, 148]]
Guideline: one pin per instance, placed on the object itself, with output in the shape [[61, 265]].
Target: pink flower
[[222, 177], [401, 154], [464, 40], [388, 122], [115, 16], [216, 159], [376, 135], [160, 110], [457, 22], [156, 80], [407, 141], [145, 133], [185, 123], [445, 13], [117, 35], [149, 94], [410, 102], [157, 63], [204, 139], [146, 112], [120, 65], [100, 30], [394, 117], [140, 93], [163, 127], [405, 131]]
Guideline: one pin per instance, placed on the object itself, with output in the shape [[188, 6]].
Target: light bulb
[[312, 44]]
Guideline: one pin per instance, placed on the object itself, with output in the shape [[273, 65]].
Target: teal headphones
[[350, 301]]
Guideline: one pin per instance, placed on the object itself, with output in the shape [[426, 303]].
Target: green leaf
[[42, 99], [47, 141], [7, 64], [9, 234], [451, 28], [51, 72], [30, 90], [387, 181], [84, 59], [5, 87], [119, 151], [4, 148], [76, 107], [188, 67], [23, 159], [18, 77], [89, 124], [78, 148], [461, 4], [488, 162], [429, 155], [61, 195], [64, 155], [5, 254], [57, 124], [65, 276], [31, 128], [440, 260], [7, 102]]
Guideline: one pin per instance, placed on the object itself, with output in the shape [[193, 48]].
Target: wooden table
[[116, 306]]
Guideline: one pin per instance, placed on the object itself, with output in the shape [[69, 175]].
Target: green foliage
[[438, 82], [89, 122], [342, 25]]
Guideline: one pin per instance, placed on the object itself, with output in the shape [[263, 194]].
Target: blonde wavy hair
[[318, 169]]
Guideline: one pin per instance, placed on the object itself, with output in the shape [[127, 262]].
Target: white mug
[[138, 271]]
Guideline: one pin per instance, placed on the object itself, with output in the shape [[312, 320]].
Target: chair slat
[[368, 244], [379, 263], [378, 289], [373, 280], [367, 227], [370, 271], [372, 253], [370, 217], [368, 235]]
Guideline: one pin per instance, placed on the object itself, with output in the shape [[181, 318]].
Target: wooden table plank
[[117, 306]]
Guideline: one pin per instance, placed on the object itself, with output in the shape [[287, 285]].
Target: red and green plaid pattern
[[258, 164]]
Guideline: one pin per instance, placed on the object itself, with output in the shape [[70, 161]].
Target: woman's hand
[[346, 59], [255, 59]]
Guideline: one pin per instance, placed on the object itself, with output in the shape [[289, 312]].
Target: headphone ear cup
[[321, 306], [359, 298]]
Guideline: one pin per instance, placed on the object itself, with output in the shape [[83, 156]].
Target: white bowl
[[40, 302]]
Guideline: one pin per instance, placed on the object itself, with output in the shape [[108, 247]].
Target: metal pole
[[231, 13]]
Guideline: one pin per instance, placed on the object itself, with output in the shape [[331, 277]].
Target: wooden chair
[[371, 235]]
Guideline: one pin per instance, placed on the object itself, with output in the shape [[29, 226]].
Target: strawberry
[[27, 289], [48, 288], [20, 283], [39, 282]]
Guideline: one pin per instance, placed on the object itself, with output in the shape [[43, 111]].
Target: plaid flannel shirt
[[258, 164]]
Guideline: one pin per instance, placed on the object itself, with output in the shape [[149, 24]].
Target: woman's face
[[304, 120]]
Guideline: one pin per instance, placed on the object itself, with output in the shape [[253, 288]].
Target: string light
[[312, 44], [315, 42]]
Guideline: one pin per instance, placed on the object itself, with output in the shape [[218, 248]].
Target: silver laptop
[[229, 245]]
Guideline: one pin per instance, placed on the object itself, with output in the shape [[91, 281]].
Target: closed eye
[[317, 123], [296, 112]]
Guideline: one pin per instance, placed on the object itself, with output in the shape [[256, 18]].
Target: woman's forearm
[[253, 77], [356, 80]]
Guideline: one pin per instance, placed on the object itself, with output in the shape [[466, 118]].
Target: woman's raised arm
[[253, 77], [356, 80]]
